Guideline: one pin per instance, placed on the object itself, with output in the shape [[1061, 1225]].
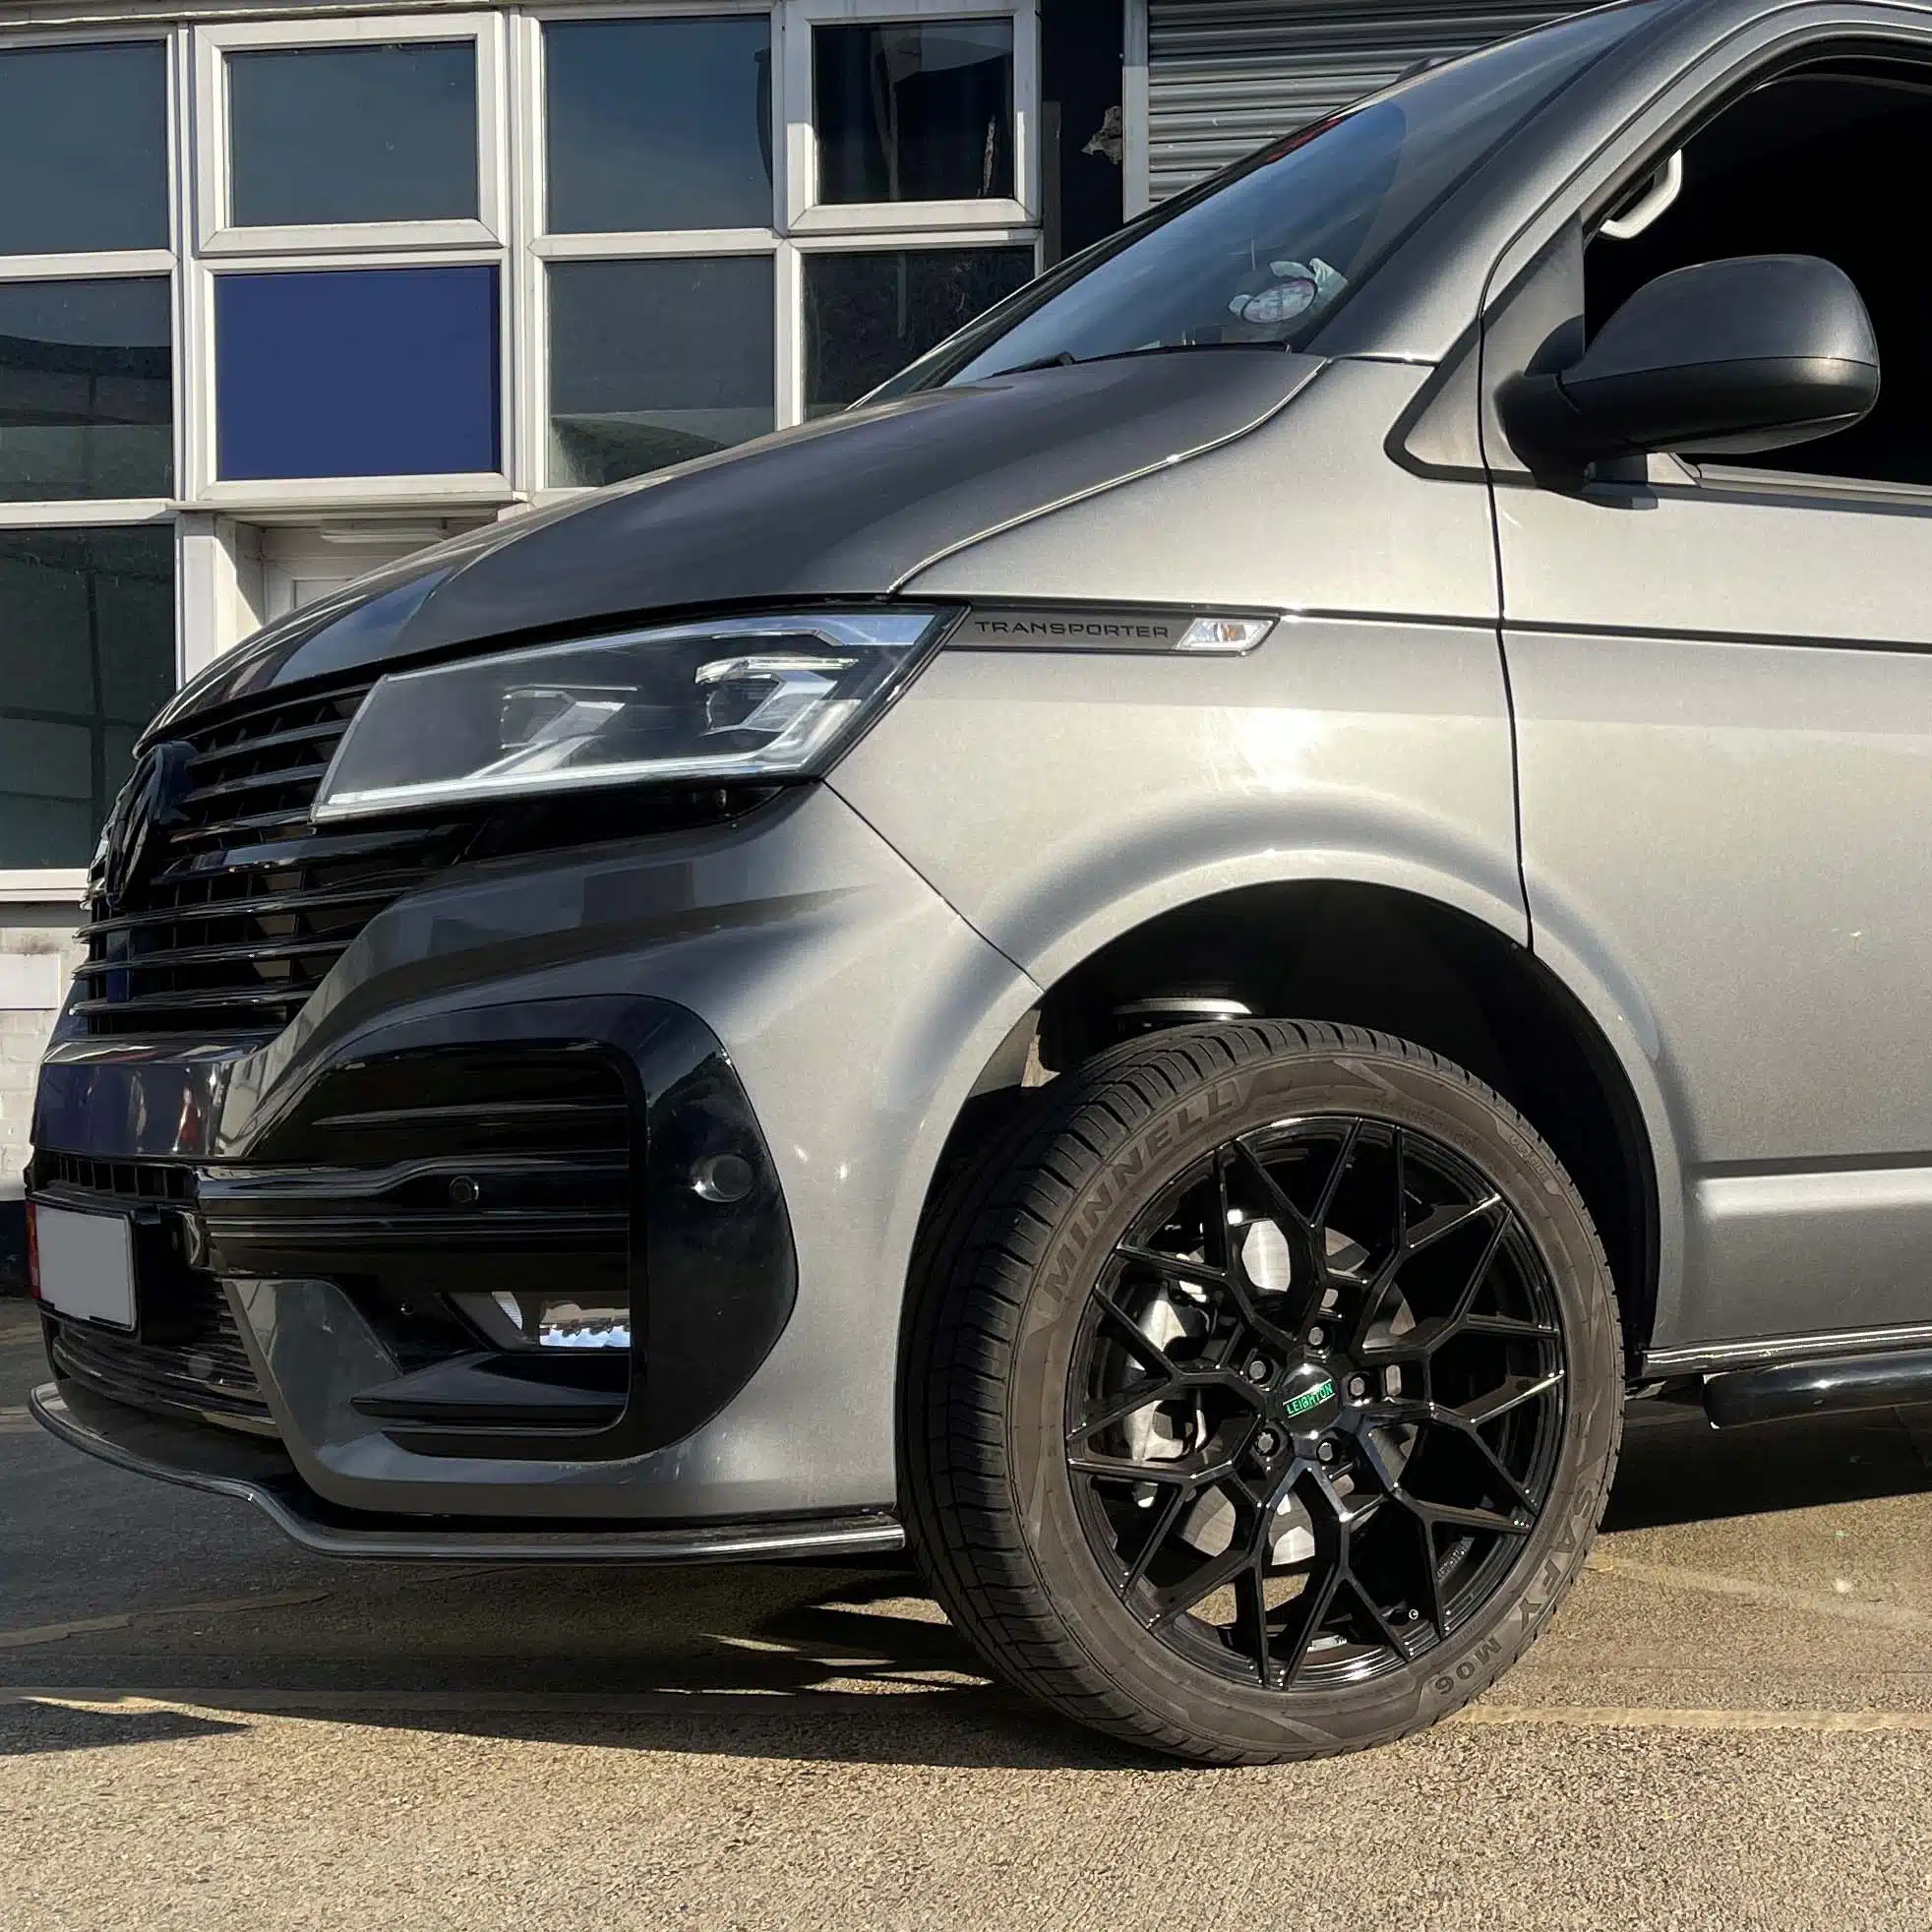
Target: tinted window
[[1264, 252], [658, 124], [356, 371], [87, 657], [867, 314], [83, 149], [1810, 165], [353, 134], [85, 389], [653, 362], [914, 113]]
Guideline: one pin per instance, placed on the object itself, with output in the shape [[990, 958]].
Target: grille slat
[[207, 999], [269, 741], [309, 902], [202, 955], [210, 1375], [250, 905], [297, 776], [284, 824]]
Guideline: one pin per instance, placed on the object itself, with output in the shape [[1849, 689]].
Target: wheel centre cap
[[1306, 1397]]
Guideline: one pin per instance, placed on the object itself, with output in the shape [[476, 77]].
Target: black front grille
[[201, 1370], [187, 1356], [231, 926], [132, 1182]]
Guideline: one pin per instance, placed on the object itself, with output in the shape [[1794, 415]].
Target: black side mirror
[[1724, 358]]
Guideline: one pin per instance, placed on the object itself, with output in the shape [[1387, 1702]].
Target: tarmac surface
[[1729, 1724]]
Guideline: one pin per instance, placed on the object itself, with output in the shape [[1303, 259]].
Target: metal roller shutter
[[1225, 76]]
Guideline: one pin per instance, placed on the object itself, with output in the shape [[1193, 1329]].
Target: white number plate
[[86, 1264]]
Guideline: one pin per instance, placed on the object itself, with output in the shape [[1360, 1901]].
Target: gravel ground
[[1730, 1724]]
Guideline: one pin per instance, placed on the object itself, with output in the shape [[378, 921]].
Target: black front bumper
[[260, 1473], [311, 1252]]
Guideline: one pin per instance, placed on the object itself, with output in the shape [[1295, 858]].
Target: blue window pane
[[83, 149], [356, 371]]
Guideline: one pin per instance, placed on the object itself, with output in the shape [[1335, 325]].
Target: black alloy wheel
[[1263, 1390], [1316, 1401]]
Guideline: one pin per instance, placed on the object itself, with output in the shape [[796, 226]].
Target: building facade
[[286, 292]]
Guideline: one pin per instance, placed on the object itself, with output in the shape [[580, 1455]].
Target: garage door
[[1225, 76]]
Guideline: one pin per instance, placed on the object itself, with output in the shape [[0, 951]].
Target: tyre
[[1263, 1388]]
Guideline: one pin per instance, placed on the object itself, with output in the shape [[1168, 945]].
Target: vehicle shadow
[[1677, 1468], [850, 1663]]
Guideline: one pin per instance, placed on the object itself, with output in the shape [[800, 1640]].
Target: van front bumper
[[524, 1078]]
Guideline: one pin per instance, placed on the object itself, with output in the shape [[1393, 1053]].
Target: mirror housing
[[1724, 358]]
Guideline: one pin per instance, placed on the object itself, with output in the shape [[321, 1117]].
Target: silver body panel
[[1675, 740], [1724, 717]]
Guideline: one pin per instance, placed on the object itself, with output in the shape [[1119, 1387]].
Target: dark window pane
[[652, 362], [866, 316], [914, 113], [353, 134], [87, 657], [356, 371], [85, 389], [83, 149], [658, 124]]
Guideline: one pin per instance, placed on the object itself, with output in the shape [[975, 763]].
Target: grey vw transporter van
[[1163, 964]]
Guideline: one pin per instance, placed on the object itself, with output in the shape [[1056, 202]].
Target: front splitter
[[245, 1471]]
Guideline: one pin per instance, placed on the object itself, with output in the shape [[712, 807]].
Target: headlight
[[747, 698]]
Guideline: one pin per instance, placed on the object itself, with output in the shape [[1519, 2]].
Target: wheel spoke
[[1513, 1393], [1443, 1221], [1303, 1234], [1455, 1419], [1305, 1616], [1149, 1395], [1477, 1276], [1193, 1471], [1507, 1328], [1451, 1516], [1136, 1341], [1438, 1612], [1366, 1599], [1162, 1526], [1251, 1613], [1176, 1267], [1307, 1275], [1180, 1598]]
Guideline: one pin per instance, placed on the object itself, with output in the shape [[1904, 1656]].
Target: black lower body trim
[[262, 1474], [1838, 1385]]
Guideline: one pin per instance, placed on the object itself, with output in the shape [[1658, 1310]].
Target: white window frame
[[66, 884], [210, 516], [806, 214], [216, 234]]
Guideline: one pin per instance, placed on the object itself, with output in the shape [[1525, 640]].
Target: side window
[[1816, 161]]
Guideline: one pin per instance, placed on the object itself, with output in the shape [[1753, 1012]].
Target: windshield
[[1264, 252]]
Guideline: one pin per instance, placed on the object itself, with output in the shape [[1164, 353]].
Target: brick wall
[[37, 957]]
